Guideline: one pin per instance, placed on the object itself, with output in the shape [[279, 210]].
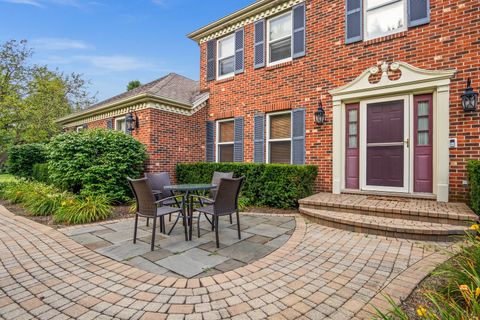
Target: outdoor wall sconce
[[132, 123], [320, 115], [469, 98]]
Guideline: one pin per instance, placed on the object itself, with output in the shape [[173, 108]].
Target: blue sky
[[112, 42]]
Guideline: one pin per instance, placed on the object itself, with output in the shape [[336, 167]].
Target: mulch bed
[[271, 210], [119, 212]]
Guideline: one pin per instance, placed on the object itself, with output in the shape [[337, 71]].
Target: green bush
[[474, 182], [272, 185], [40, 172], [84, 209], [95, 162], [44, 200], [22, 157]]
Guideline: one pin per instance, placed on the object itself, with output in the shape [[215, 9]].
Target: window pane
[[226, 47], [281, 50], [352, 128], [226, 66], [386, 19], [423, 108], [281, 27], [280, 152], [226, 131], [352, 141], [120, 125], [376, 3], [423, 124], [352, 115], [423, 138], [226, 153], [280, 126]]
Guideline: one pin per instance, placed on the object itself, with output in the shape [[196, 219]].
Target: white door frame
[[407, 167]]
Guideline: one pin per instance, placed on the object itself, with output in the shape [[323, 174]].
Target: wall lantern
[[320, 115], [131, 122], [469, 98]]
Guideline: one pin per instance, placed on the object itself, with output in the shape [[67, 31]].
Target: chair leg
[[135, 230], [184, 215], [148, 222], [170, 217], [153, 233], [164, 227], [238, 225], [175, 223], [216, 232], [198, 224], [231, 219]]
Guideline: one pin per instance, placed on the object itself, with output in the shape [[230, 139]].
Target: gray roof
[[172, 87]]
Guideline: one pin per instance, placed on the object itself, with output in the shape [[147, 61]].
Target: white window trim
[[279, 140], [217, 138], [217, 60], [269, 63], [79, 128], [405, 17], [116, 123]]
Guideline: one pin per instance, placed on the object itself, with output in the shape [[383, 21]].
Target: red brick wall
[[170, 138], [451, 40]]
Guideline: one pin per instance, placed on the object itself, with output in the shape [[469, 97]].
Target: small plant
[[16, 192], [44, 201], [84, 209], [243, 203]]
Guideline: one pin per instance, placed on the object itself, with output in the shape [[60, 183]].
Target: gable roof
[[173, 89]]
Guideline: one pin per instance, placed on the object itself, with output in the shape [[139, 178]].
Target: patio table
[[187, 189]]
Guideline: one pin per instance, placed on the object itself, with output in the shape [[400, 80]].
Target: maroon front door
[[385, 144]]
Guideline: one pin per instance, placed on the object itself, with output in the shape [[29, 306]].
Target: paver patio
[[318, 273]]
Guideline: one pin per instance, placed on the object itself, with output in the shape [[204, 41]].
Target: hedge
[[474, 182], [21, 158], [40, 172], [272, 185], [95, 162]]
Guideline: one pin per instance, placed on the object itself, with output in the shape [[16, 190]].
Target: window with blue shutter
[[353, 21], [259, 44], [210, 143], [238, 151], [299, 31], [259, 138], [110, 124], [239, 50], [211, 48], [298, 136], [418, 12]]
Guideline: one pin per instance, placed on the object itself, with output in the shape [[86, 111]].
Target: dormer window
[[280, 39], [226, 57], [384, 17]]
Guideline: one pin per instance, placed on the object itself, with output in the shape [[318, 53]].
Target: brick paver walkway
[[320, 273]]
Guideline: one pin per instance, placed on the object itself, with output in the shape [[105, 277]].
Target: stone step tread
[[428, 208], [382, 223]]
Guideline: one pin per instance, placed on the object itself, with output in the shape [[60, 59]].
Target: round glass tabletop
[[190, 187]]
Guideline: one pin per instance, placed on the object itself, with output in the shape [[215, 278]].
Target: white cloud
[[27, 2], [115, 63], [57, 44]]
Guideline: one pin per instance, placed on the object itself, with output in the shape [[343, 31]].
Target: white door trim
[[363, 145]]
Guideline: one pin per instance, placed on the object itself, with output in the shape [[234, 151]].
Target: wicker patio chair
[[217, 176], [149, 207], [157, 182], [225, 203]]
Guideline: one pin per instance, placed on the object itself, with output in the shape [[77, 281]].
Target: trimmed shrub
[[474, 182], [272, 185], [40, 172], [84, 209], [22, 157], [95, 162]]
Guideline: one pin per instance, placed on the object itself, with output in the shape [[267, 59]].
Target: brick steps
[[384, 226]]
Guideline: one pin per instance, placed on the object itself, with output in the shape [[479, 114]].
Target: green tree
[[32, 97], [133, 84]]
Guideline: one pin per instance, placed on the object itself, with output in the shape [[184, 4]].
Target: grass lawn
[[6, 178]]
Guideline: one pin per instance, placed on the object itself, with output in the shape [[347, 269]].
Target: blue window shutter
[[85, 126], [238, 140], [259, 45], [210, 144], [299, 31], [110, 124], [298, 136], [211, 54], [418, 12], [239, 50], [353, 21], [259, 139]]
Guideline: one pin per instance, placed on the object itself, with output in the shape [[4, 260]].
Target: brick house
[[389, 75]]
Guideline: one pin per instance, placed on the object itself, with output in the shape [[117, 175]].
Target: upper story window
[[279, 134], [280, 39], [120, 124], [225, 140], [384, 17], [226, 57]]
